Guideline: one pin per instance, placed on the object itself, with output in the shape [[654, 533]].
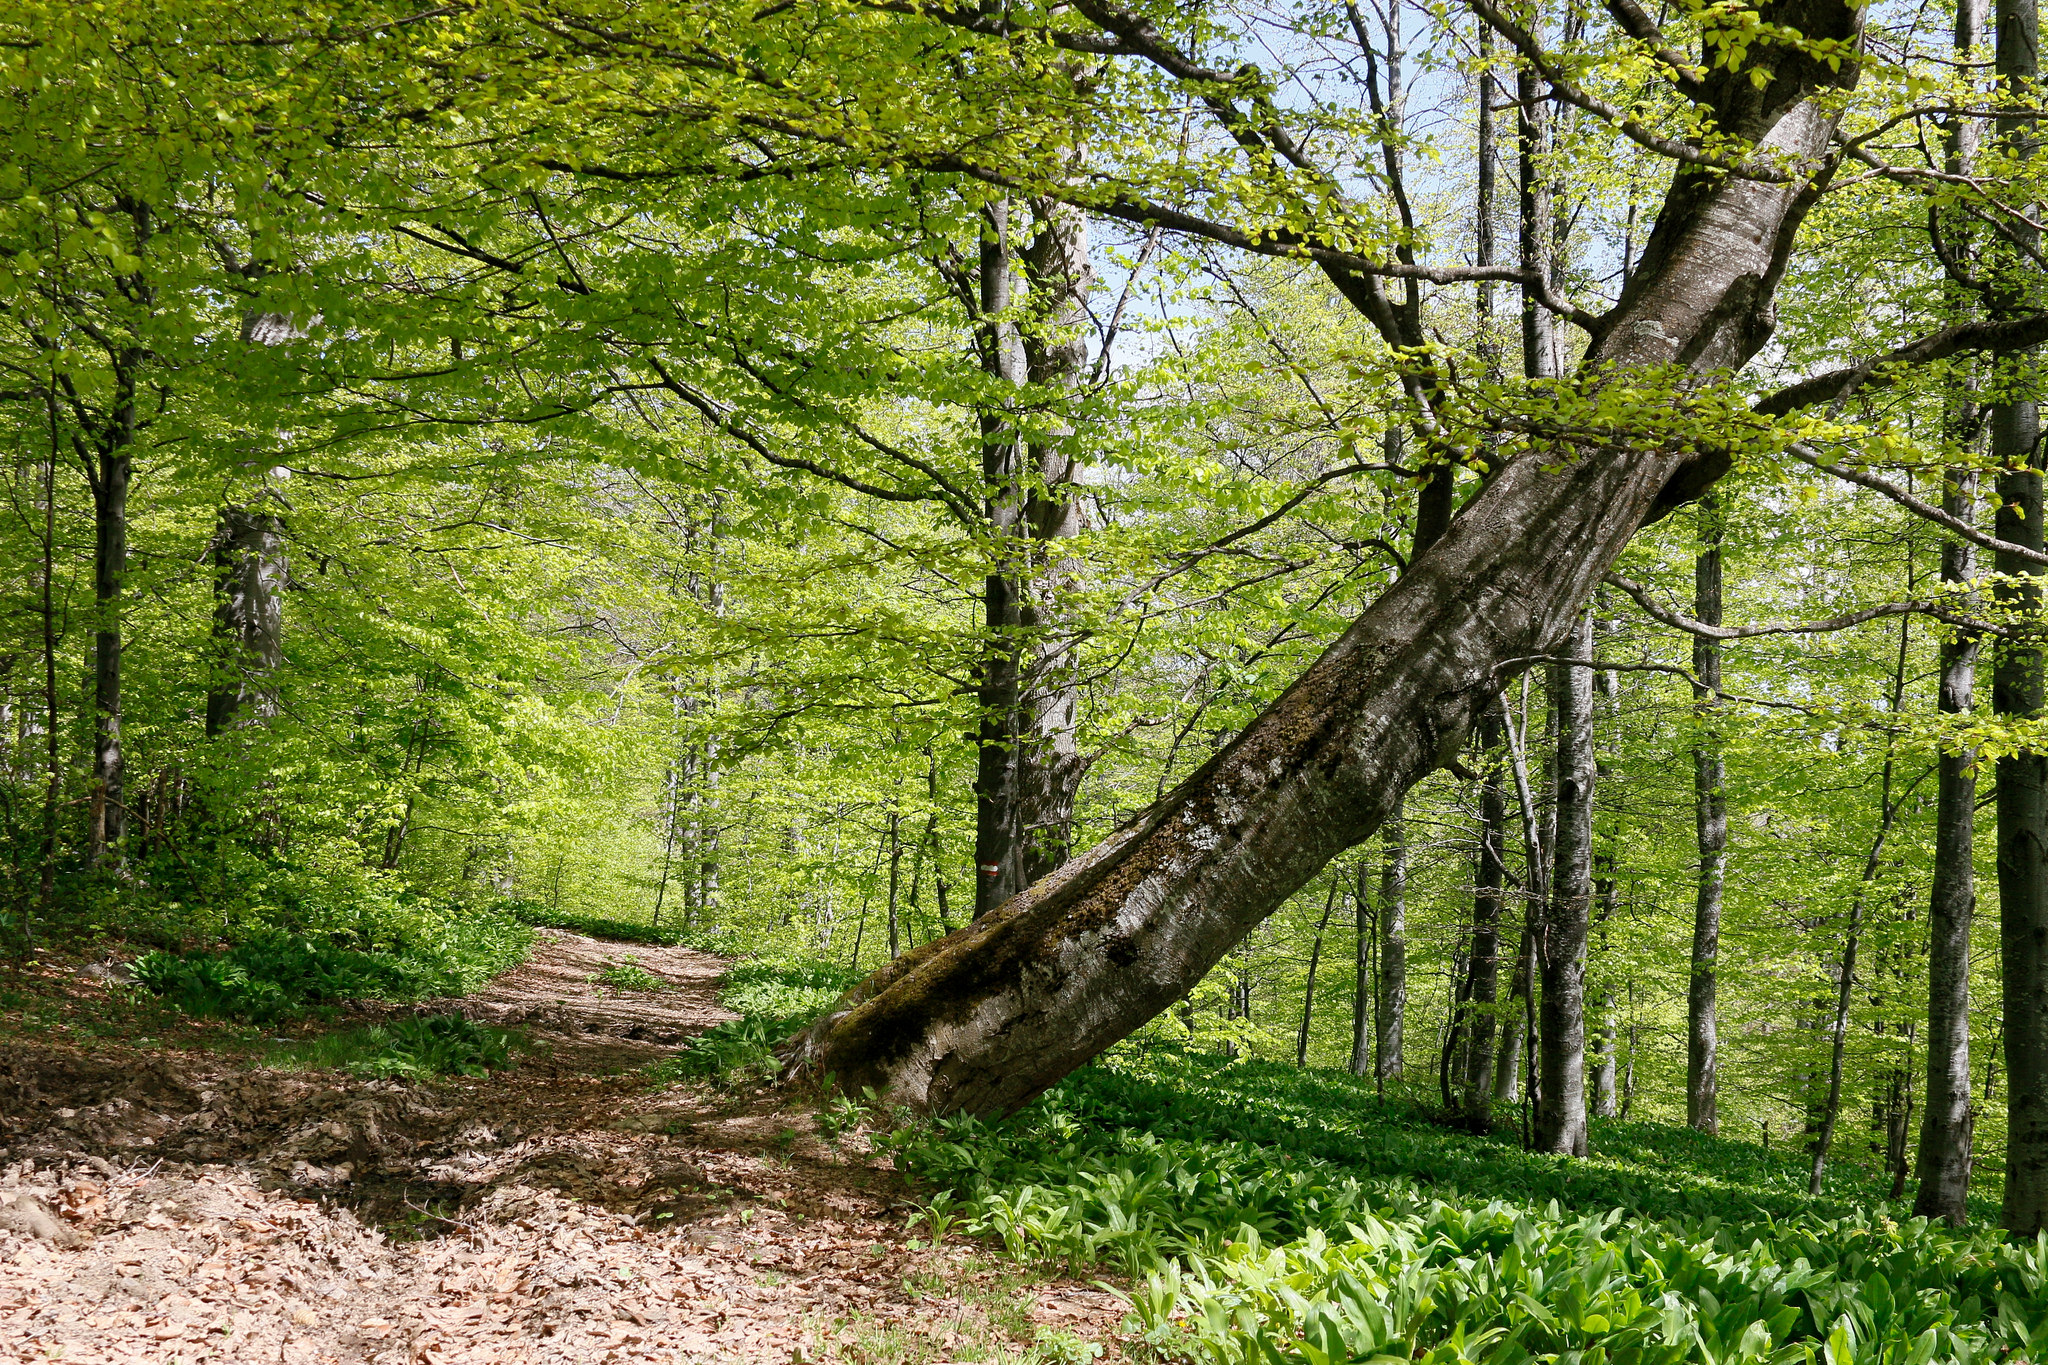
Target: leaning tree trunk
[[1561, 946], [1710, 825], [988, 1017], [2016, 691], [1945, 1123], [248, 617]]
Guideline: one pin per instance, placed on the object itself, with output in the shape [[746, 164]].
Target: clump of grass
[[628, 975], [435, 1045], [785, 989], [732, 1054], [275, 975]]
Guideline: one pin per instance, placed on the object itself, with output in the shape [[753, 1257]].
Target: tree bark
[[1029, 766], [2022, 778], [1489, 875], [1946, 1124], [1393, 917], [1517, 1016], [1888, 810], [1710, 825], [1561, 1113], [1308, 993], [895, 879], [248, 617], [1365, 998], [987, 1018], [109, 475], [998, 838]]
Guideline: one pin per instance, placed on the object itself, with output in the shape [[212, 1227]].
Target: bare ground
[[168, 1207]]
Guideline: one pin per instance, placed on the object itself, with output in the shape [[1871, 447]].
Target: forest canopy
[[1491, 544]]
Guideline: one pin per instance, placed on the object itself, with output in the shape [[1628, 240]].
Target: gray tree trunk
[[1710, 824], [1315, 958], [1947, 1123], [1489, 875], [987, 1018], [109, 474], [1517, 1014], [248, 617], [1561, 1112], [1030, 767], [1365, 998], [2015, 429], [1393, 917]]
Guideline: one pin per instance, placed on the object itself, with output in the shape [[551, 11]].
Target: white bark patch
[[1145, 898]]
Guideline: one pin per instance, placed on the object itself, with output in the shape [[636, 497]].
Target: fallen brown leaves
[[192, 1209]]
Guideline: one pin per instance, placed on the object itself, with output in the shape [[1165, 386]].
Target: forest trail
[[183, 1206], [583, 1027]]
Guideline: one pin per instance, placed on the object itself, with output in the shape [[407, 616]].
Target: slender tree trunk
[[671, 799], [1824, 1131], [1030, 765], [1561, 1119], [1393, 917], [1365, 998], [107, 811], [895, 880], [1539, 348], [1485, 249], [248, 617], [1489, 875], [985, 1019], [1515, 1017], [1710, 823], [1308, 993], [1604, 1003], [1888, 808], [53, 756], [998, 836], [2022, 778], [1056, 263], [1946, 1125]]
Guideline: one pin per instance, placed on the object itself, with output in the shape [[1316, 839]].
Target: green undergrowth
[[722, 942], [775, 1001], [1275, 1215], [419, 1048], [271, 975], [626, 974]]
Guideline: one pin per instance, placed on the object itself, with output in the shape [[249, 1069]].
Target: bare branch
[[1679, 621]]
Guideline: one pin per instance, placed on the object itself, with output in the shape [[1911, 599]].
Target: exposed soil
[[159, 1206], [583, 1027]]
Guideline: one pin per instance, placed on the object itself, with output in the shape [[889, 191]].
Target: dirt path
[[584, 1027], [159, 1206]]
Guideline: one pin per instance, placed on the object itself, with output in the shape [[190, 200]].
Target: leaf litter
[[183, 1207]]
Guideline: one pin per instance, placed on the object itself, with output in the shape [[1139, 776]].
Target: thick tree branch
[[1836, 385]]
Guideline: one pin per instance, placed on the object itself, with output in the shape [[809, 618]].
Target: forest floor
[[166, 1200]]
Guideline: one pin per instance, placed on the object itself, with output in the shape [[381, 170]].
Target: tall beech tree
[[1947, 1119], [1568, 916], [983, 1020], [1710, 823]]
